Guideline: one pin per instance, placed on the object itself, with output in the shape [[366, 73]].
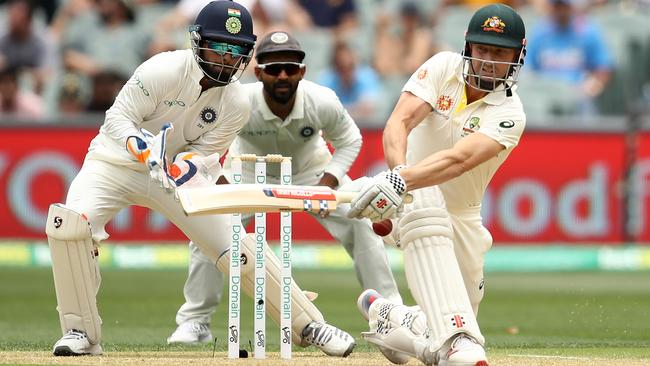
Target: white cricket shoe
[[363, 304], [329, 339], [75, 343], [366, 299], [191, 332], [462, 350]]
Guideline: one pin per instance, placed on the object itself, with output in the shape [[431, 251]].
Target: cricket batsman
[[126, 164], [457, 120]]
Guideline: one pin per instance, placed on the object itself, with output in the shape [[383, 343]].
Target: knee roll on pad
[[75, 270], [302, 309], [424, 222]]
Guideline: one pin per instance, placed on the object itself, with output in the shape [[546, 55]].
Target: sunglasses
[[275, 68], [222, 48]]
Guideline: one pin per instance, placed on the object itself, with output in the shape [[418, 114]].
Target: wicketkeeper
[[126, 164]]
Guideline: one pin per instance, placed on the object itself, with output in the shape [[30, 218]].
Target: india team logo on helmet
[[233, 24], [494, 24]]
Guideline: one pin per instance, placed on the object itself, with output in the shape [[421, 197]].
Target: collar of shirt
[[196, 73], [298, 111]]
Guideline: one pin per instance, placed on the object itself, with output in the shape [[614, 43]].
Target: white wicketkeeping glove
[[379, 197], [150, 150], [192, 170]]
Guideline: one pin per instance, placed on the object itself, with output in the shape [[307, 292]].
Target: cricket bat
[[250, 198]]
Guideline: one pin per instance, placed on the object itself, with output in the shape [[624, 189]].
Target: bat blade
[[250, 198]]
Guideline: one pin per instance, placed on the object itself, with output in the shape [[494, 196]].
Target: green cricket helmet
[[495, 25]]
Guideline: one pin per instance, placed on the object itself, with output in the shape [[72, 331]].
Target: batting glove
[[192, 170], [379, 197]]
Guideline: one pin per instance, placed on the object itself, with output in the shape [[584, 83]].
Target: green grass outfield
[[589, 316]]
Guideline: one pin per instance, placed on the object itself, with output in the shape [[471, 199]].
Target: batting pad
[[75, 269], [433, 273], [303, 311]]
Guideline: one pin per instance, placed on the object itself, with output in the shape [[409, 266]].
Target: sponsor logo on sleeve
[[507, 124], [422, 74], [138, 82]]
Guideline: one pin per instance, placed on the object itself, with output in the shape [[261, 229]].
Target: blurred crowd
[[67, 58]]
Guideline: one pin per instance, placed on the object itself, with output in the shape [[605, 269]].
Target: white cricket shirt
[[317, 116], [165, 89], [439, 82]]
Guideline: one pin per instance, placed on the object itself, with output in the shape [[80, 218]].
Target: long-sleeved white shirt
[[165, 89], [316, 118]]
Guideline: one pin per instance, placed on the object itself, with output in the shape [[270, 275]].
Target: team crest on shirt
[[494, 24], [307, 131], [471, 125], [422, 74], [208, 115], [444, 103]]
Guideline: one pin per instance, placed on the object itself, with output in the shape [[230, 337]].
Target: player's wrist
[[398, 168], [396, 181]]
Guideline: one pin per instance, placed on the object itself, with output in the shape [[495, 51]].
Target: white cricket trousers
[[471, 241]]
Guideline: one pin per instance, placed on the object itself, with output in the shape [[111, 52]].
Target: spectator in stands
[[14, 102], [569, 47], [357, 86], [104, 39], [338, 15], [399, 52], [105, 87], [21, 47], [71, 100]]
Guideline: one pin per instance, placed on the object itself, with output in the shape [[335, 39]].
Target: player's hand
[[150, 150], [327, 180], [192, 170], [379, 197]]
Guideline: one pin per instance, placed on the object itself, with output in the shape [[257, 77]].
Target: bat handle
[[347, 197]]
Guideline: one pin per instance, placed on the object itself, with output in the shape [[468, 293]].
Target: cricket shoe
[[329, 339], [462, 350], [191, 332], [75, 343], [364, 302]]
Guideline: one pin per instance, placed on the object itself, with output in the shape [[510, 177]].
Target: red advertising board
[[639, 224], [555, 187]]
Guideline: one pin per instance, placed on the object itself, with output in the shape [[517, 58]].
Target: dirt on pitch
[[310, 358]]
